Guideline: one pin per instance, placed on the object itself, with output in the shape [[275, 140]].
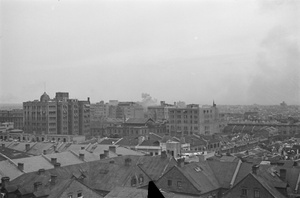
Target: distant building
[[60, 115], [124, 110], [15, 116], [193, 120], [99, 110], [160, 112]]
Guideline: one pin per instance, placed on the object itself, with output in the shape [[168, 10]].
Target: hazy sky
[[232, 51]]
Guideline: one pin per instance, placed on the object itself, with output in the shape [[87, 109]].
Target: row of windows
[[256, 193], [183, 111], [184, 121], [183, 128], [170, 183], [79, 195]]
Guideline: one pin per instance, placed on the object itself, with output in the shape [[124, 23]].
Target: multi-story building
[[40, 116], [124, 110], [159, 113], [193, 120], [15, 116], [209, 120], [60, 115], [99, 110], [184, 121], [84, 117]]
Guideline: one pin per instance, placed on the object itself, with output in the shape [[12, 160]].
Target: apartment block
[[160, 112], [60, 115], [193, 120]]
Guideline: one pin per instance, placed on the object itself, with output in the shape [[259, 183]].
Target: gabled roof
[[204, 180], [100, 175], [128, 192], [7, 169], [11, 153], [223, 172], [72, 183]]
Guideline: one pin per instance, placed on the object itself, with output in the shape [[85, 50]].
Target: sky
[[197, 51]]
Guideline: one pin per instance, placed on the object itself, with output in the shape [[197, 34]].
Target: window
[[179, 184], [133, 181], [244, 192], [256, 194], [169, 182], [141, 179], [79, 195]]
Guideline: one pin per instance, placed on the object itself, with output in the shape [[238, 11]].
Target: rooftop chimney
[[82, 148], [36, 186], [127, 162], [44, 152], [102, 156], [282, 174], [21, 166], [53, 179], [88, 99], [180, 162], [53, 160], [255, 169], [4, 181], [3, 145], [56, 165], [112, 148], [163, 154], [41, 171], [106, 153], [81, 156], [27, 147]]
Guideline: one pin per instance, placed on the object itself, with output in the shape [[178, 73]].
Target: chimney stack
[[53, 179], [127, 162], [163, 154], [27, 147], [102, 156], [112, 149], [82, 148], [44, 152], [3, 145], [4, 181], [106, 153], [41, 171], [21, 166], [53, 160], [180, 162], [282, 174], [81, 156], [88, 99], [36, 186], [255, 169], [56, 165]]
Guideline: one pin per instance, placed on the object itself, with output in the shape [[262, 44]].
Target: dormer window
[[133, 181], [141, 179]]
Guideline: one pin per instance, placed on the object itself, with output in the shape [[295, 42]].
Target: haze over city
[[233, 52]]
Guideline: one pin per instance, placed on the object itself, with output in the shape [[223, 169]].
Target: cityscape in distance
[[150, 99]]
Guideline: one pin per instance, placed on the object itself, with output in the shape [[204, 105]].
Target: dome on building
[[45, 97]]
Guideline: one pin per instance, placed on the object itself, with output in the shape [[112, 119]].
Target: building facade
[[15, 116], [193, 120], [60, 115]]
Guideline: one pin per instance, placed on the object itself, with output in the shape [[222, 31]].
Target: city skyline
[[194, 51]]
